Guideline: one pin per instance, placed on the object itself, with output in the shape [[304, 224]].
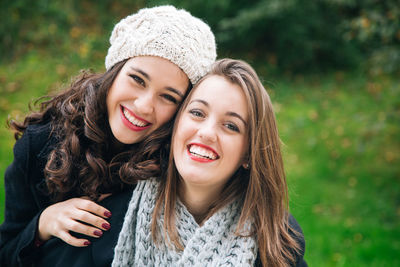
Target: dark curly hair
[[84, 161]]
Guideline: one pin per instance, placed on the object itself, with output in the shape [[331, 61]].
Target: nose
[[144, 103], [207, 131]]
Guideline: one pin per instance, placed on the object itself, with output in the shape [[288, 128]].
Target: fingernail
[[106, 226], [107, 214], [98, 233], [87, 243]]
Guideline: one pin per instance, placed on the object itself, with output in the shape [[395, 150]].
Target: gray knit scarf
[[212, 244]]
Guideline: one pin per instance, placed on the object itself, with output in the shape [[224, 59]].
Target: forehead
[[218, 91], [157, 66]]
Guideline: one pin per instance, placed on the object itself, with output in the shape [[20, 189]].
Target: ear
[[245, 160]]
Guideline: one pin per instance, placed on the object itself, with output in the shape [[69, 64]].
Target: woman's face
[[210, 141], [144, 95]]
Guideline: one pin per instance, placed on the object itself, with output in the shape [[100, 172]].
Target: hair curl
[[84, 161]]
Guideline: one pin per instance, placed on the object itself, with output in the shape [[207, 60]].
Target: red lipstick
[[199, 158], [129, 124]]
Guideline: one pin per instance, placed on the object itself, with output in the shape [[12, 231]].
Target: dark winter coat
[[26, 198]]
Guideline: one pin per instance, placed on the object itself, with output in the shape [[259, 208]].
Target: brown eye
[[196, 113], [232, 127], [170, 98], [138, 80]]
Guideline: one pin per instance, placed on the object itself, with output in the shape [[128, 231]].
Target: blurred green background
[[332, 68]]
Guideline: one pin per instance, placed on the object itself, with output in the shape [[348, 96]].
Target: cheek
[[244, 152], [121, 90], [112, 97], [165, 113], [109, 102], [183, 131], [238, 151]]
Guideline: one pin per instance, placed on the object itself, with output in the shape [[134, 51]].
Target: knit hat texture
[[166, 32]]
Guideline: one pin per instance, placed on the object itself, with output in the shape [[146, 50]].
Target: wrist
[[41, 233]]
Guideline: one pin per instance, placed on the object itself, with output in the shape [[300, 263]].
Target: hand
[[79, 215]]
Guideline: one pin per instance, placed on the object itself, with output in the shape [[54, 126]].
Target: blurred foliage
[[306, 36], [293, 36], [376, 27], [340, 128], [342, 159], [81, 26]]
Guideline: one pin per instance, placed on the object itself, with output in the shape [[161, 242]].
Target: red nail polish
[[106, 226], [107, 214], [98, 233], [87, 243]]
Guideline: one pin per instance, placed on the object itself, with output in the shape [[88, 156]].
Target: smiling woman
[[77, 159], [144, 96], [223, 201], [211, 139]]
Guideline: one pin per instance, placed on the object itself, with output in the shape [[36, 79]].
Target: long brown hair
[[262, 187], [83, 162]]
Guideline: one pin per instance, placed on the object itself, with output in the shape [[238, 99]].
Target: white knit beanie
[[166, 32]]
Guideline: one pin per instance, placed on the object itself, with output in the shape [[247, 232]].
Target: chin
[[125, 141], [193, 179]]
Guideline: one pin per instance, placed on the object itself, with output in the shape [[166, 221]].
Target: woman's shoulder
[[297, 233], [39, 131], [36, 140], [295, 225]]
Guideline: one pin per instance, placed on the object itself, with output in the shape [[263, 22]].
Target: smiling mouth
[[134, 120], [202, 153]]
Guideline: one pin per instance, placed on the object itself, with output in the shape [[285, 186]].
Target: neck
[[116, 147], [197, 200]]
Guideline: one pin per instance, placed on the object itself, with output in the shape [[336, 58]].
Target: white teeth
[[202, 152], [133, 120]]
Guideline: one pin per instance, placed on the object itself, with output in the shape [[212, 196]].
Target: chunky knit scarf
[[212, 244]]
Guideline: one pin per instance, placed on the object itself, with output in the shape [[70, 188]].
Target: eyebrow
[[229, 113], [141, 72], [176, 91], [199, 100]]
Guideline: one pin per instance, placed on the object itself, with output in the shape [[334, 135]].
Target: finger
[[73, 241], [84, 229], [92, 207], [93, 220]]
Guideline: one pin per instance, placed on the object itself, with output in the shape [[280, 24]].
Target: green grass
[[342, 140], [341, 148]]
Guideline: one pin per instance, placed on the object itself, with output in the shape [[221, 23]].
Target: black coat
[[57, 253], [26, 198]]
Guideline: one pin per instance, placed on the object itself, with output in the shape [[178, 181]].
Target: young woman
[[224, 199], [94, 140]]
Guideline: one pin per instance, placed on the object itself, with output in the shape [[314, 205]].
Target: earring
[[246, 166]]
